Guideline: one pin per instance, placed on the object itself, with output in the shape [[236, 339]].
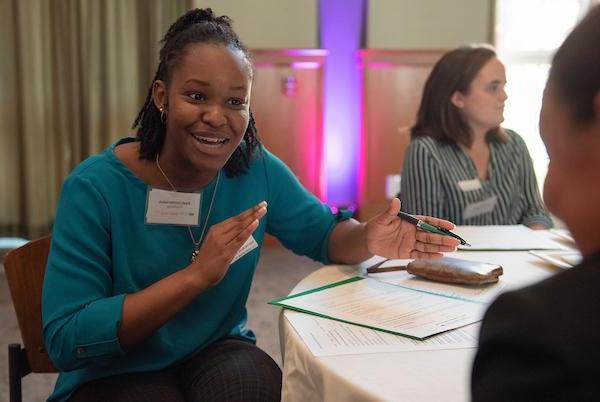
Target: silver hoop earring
[[163, 116]]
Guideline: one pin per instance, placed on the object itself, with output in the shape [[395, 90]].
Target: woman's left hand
[[391, 237]]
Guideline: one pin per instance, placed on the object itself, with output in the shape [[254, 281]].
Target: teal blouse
[[102, 250]]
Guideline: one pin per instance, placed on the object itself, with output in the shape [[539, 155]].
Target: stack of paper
[[564, 259], [385, 307], [506, 237], [329, 338]]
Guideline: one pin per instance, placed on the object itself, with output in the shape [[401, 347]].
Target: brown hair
[[438, 117], [575, 71]]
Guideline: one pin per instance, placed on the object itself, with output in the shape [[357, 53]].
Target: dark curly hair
[[195, 26]]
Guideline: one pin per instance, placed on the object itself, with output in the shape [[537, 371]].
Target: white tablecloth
[[442, 375]]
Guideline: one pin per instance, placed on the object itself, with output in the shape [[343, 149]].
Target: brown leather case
[[454, 270]]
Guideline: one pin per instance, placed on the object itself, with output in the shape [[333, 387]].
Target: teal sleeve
[[80, 313], [295, 216]]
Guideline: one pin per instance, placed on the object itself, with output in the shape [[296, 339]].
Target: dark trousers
[[228, 370]]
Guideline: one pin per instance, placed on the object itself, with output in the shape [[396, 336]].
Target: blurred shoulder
[[426, 144], [514, 139], [100, 166], [538, 305]]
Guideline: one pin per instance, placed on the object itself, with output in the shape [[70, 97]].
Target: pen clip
[[451, 234]]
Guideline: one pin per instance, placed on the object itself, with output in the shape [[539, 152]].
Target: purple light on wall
[[341, 24]]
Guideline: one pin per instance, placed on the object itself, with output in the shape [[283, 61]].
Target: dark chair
[[25, 268]]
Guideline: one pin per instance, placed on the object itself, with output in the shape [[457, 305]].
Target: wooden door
[[287, 105], [393, 82]]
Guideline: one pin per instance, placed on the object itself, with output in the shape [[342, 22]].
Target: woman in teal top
[[156, 239]]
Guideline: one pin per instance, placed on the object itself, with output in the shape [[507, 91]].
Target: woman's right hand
[[222, 242]]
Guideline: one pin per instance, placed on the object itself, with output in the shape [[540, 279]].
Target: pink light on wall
[[287, 103], [310, 65]]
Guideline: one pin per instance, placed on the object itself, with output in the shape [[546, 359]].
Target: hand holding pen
[[391, 237], [430, 228]]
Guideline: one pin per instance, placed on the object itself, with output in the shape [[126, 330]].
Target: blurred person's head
[[570, 128], [463, 96]]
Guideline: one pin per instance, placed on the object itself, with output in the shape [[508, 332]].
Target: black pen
[[430, 228]]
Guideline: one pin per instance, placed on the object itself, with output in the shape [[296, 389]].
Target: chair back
[[25, 268]]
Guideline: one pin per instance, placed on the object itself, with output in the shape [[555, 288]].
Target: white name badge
[[481, 207], [248, 246], [469, 185], [172, 207]]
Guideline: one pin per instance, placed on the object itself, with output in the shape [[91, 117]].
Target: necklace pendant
[[195, 254]]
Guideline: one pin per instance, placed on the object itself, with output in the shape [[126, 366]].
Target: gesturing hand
[[391, 237], [222, 242]]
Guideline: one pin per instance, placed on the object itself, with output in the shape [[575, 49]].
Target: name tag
[[481, 207], [172, 207], [248, 246], [469, 185]]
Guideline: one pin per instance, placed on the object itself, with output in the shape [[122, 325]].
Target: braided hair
[[195, 26]]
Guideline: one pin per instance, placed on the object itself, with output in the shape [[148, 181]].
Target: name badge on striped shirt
[[469, 185], [481, 207]]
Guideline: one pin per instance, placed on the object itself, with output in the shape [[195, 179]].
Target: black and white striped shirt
[[440, 179]]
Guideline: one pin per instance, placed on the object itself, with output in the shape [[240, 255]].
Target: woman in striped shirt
[[461, 165]]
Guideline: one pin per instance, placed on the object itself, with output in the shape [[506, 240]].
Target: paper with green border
[[281, 303]]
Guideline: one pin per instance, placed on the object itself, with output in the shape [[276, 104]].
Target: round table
[[433, 375]]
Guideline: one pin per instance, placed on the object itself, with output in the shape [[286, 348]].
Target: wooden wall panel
[[393, 82], [287, 105]]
